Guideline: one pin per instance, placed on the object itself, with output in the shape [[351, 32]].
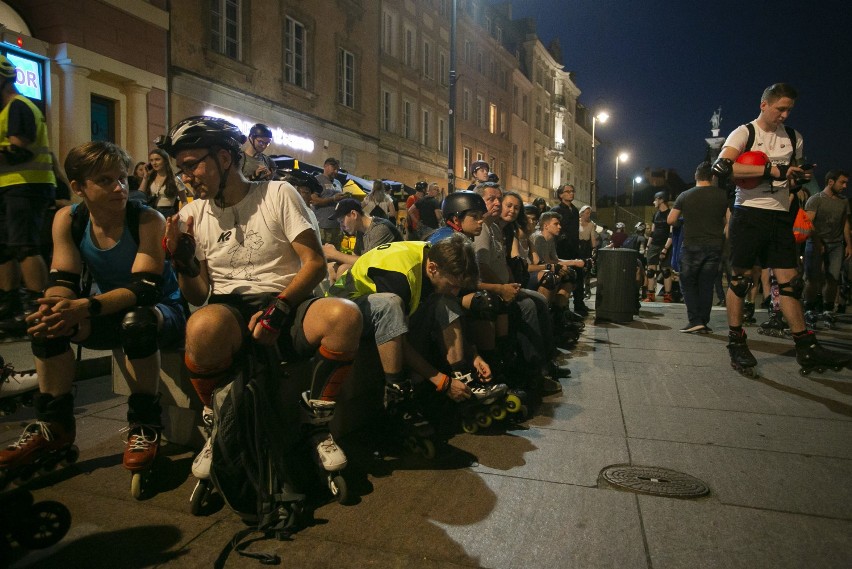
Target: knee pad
[[548, 280], [45, 348], [139, 333], [484, 305], [205, 380], [6, 255], [570, 275], [792, 288], [22, 253], [650, 273], [666, 272], [740, 285]]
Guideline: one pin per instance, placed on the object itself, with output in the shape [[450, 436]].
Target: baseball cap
[[344, 206]]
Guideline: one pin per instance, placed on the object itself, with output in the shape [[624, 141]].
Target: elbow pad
[[148, 288], [723, 167]]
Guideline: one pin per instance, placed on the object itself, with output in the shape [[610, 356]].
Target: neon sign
[[279, 136], [28, 80]]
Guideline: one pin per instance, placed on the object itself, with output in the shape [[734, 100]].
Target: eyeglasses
[[188, 168], [262, 141]]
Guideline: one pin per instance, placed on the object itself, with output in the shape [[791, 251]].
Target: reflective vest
[[39, 170]]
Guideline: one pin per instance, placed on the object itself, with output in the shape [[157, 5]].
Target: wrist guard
[[723, 167], [277, 316], [183, 259]]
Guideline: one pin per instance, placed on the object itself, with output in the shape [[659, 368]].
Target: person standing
[[324, 202], [568, 246], [378, 203], [705, 210], [825, 250], [160, 184], [760, 229], [257, 166], [659, 245], [588, 243]]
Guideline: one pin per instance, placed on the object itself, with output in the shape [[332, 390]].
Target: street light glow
[[623, 157], [602, 117], [638, 179]]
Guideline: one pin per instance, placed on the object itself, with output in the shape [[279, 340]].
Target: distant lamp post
[[622, 157], [601, 117], [636, 180]]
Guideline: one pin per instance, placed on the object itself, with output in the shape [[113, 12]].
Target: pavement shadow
[[130, 548], [830, 404]]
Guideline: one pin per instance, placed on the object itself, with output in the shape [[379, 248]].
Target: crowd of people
[[213, 248]]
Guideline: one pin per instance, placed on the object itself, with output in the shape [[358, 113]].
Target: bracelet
[[444, 384]]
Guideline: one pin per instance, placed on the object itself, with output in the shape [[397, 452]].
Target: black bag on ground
[[250, 458]]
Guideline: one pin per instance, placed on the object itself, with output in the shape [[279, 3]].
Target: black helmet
[[492, 177], [420, 186], [460, 203], [532, 209], [477, 164], [260, 130], [201, 132], [661, 196], [300, 178]]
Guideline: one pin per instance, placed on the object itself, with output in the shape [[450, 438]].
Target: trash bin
[[617, 296]]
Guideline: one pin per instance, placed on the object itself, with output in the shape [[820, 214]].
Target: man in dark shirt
[[428, 213], [568, 246], [705, 211], [659, 246]]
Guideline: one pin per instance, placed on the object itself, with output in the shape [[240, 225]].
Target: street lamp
[[602, 118], [636, 180], [622, 157]]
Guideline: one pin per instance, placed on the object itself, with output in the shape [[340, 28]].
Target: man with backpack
[[251, 248], [760, 229], [137, 309]]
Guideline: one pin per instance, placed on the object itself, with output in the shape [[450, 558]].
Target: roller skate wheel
[[337, 487], [513, 403], [483, 419], [137, 485], [469, 426], [198, 497], [410, 444], [46, 524], [498, 412]]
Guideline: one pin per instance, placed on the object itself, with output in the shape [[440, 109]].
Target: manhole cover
[[654, 480]]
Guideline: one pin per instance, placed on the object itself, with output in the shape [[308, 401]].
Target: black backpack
[[631, 242], [251, 466], [791, 132]]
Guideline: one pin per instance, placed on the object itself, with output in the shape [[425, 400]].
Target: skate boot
[[329, 458], [775, 326], [45, 443], [650, 298], [143, 441], [748, 313], [406, 420], [201, 467], [811, 356], [812, 318], [485, 406], [15, 388], [742, 359], [667, 298]]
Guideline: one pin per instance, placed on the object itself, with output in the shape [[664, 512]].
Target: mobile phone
[[149, 167]]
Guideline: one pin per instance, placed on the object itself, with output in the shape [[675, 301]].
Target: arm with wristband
[[179, 248]]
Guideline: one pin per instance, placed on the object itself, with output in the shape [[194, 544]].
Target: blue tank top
[[111, 268]]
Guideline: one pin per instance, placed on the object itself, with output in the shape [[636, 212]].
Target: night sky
[[661, 68]]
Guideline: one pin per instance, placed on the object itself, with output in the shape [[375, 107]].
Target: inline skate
[[775, 326], [45, 444], [201, 467], [30, 524], [407, 421], [330, 458], [144, 428], [811, 356], [489, 402], [742, 359], [748, 313], [16, 388]]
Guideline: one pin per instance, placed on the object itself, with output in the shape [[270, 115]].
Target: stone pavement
[[775, 451]]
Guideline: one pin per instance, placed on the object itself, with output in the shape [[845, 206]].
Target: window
[[524, 165], [466, 164], [514, 159], [480, 112], [443, 70], [479, 58], [525, 109], [387, 111], [346, 78], [538, 116], [407, 129], [536, 163], [516, 107], [479, 156], [427, 60], [294, 53], [492, 118], [468, 52], [487, 24], [409, 47], [498, 33], [388, 27], [503, 123], [442, 135], [425, 132], [102, 112], [225, 25], [466, 102]]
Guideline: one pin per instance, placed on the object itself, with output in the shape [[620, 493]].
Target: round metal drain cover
[[655, 481]]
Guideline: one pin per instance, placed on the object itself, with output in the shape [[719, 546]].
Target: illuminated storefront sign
[[29, 81], [279, 136]]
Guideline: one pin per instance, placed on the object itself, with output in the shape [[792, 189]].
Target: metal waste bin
[[617, 296]]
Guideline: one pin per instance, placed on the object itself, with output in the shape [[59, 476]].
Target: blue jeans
[[699, 266]]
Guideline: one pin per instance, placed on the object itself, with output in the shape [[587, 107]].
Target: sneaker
[[649, 298], [328, 453], [550, 386], [201, 463], [692, 328], [667, 298]]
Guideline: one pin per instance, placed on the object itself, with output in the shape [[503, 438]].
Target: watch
[[94, 307]]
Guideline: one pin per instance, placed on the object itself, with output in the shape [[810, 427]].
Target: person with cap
[[657, 253], [27, 189], [249, 251], [369, 232], [324, 202], [257, 166]]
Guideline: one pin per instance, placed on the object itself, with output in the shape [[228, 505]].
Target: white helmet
[[640, 226], [619, 225]]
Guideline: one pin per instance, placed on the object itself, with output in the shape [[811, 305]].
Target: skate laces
[[326, 444], [31, 431], [141, 437]]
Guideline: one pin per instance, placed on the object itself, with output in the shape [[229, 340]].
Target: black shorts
[[761, 237], [22, 215], [294, 345]]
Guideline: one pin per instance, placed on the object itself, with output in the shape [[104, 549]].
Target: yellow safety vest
[[39, 170]]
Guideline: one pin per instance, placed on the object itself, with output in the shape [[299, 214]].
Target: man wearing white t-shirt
[[252, 248], [760, 229]]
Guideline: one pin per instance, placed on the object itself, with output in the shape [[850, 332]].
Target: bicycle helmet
[[477, 164], [260, 130], [201, 132], [640, 226], [619, 225], [7, 69], [462, 202]]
